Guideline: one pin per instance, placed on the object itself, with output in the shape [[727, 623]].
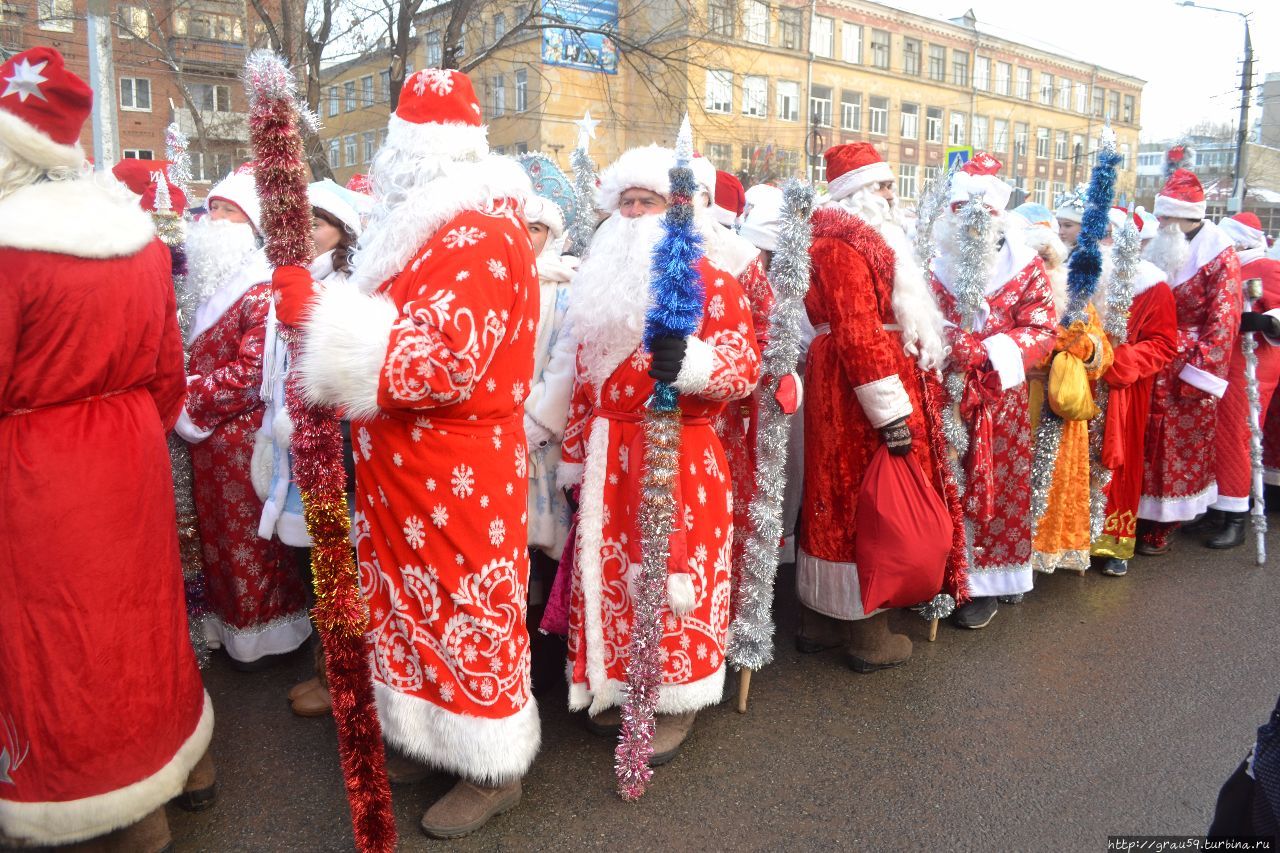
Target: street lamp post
[[1236, 204]]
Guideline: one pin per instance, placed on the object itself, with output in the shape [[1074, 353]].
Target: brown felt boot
[[316, 703], [402, 770], [670, 733], [303, 688], [606, 723], [819, 632], [201, 790], [873, 646], [467, 807]]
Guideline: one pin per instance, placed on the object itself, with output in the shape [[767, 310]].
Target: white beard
[[611, 292], [1169, 250], [216, 250], [946, 234]]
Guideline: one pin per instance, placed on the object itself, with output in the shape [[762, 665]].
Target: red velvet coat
[[99, 689]]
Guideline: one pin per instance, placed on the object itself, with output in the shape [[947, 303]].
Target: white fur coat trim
[[58, 823], [672, 698], [344, 346], [1210, 242], [590, 544], [255, 270], [35, 147], [698, 365], [483, 750], [387, 248], [1006, 358], [884, 400], [1148, 276], [1203, 380], [84, 218], [726, 249]]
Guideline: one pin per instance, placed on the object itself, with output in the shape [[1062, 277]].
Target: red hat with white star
[[143, 178], [981, 175], [1182, 196], [438, 114], [853, 166], [43, 106]]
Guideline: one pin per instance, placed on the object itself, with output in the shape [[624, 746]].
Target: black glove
[[1255, 321], [668, 356], [897, 437]]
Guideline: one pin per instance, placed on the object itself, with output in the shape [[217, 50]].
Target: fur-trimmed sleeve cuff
[[568, 474], [344, 346], [188, 431], [884, 400], [695, 370], [1006, 358], [1204, 380]]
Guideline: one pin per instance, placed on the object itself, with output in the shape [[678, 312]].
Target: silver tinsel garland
[[176, 145], [751, 639], [584, 190], [932, 203], [1249, 346], [977, 256]]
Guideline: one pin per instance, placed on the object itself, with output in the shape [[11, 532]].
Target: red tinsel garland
[[340, 612]]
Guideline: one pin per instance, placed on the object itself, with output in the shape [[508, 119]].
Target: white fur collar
[[1147, 276], [1210, 242], [725, 248], [256, 269], [91, 217], [1012, 258], [387, 248]]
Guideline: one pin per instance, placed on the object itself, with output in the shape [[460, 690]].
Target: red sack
[[904, 534]]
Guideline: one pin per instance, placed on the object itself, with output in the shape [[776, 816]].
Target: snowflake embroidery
[[715, 306], [439, 515], [414, 532], [431, 484], [489, 385], [629, 390], [517, 392], [462, 275], [459, 559], [415, 434], [463, 236], [397, 460], [497, 269], [702, 494], [430, 674], [439, 80], [446, 692], [366, 443], [639, 360], [497, 532], [511, 489], [486, 689], [464, 481], [719, 282], [469, 653], [484, 501]]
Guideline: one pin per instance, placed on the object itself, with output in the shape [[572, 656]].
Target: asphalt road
[[1098, 706]]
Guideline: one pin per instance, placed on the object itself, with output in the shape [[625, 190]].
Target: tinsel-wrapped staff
[[675, 312], [340, 613], [751, 637], [1249, 346], [584, 187]]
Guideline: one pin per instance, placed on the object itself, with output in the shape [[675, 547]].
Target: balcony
[[217, 125]]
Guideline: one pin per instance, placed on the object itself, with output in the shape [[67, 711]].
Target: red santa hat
[[359, 183], [1182, 196], [439, 115], [730, 199], [239, 189], [853, 166], [43, 107], [981, 175], [649, 168], [1245, 230], [143, 178]]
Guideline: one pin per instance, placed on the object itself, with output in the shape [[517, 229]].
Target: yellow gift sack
[[1070, 396]]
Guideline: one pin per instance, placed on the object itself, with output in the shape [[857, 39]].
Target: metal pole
[[1242, 133], [106, 146]]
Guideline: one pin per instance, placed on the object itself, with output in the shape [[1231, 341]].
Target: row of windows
[[358, 148], [496, 102], [915, 58], [135, 95], [135, 22]]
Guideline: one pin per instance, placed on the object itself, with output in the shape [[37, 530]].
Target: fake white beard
[[216, 250], [1169, 250], [946, 236], [611, 292]]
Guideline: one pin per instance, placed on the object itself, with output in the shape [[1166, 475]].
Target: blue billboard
[[569, 46]]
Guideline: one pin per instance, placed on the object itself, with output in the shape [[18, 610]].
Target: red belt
[[91, 398]]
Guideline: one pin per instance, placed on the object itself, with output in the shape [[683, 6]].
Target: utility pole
[[102, 78], [1242, 133]]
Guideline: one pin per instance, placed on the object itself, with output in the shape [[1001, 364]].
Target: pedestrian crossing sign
[[957, 157]]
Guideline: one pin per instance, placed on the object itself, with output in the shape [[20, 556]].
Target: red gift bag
[[904, 534]]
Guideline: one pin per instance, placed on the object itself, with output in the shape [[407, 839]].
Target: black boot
[[1232, 533], [1210, 522], [978, 613]]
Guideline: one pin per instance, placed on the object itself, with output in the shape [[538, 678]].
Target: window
[[932, 174], [333, 100], [1077, 148], [204, 25], [1124, 156], [460, 49], [911, 57], [1042, 143], [979, 133], [1064, 93], [1020, 133], [958, 122], [135, 94], [335, 153], [350, 144], [522, 90], [879, 116], [132, 22], [755, 96], [907, 181], [1000, 136], [1099, 101], [818, 171], [719, 92], [1060, 145], [384, 82], [937, 62], [55, 15], [822, 36], [851, 43], [880, 48], [499, 95], [500, 26], [720, 18], [366, 90], [850, 110], [982, 73], [369, 140], [138, 154], [788, 100], [210, 98], [1004, 74], [820, 105], [1046, 89], [1082, 98], [1022, 84], [910, 122], [789, 28], [960, 67], [1059, 190], [933, 124], [1040, 192], [433, 50], [1113, 106], [755, 22], [522, 148], [349, 96], [1127, 115], [720, 155]]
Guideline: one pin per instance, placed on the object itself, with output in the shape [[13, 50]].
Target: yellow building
[[353, 112]]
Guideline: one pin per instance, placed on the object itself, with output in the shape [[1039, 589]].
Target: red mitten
[[292, 289], [789, 393]]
